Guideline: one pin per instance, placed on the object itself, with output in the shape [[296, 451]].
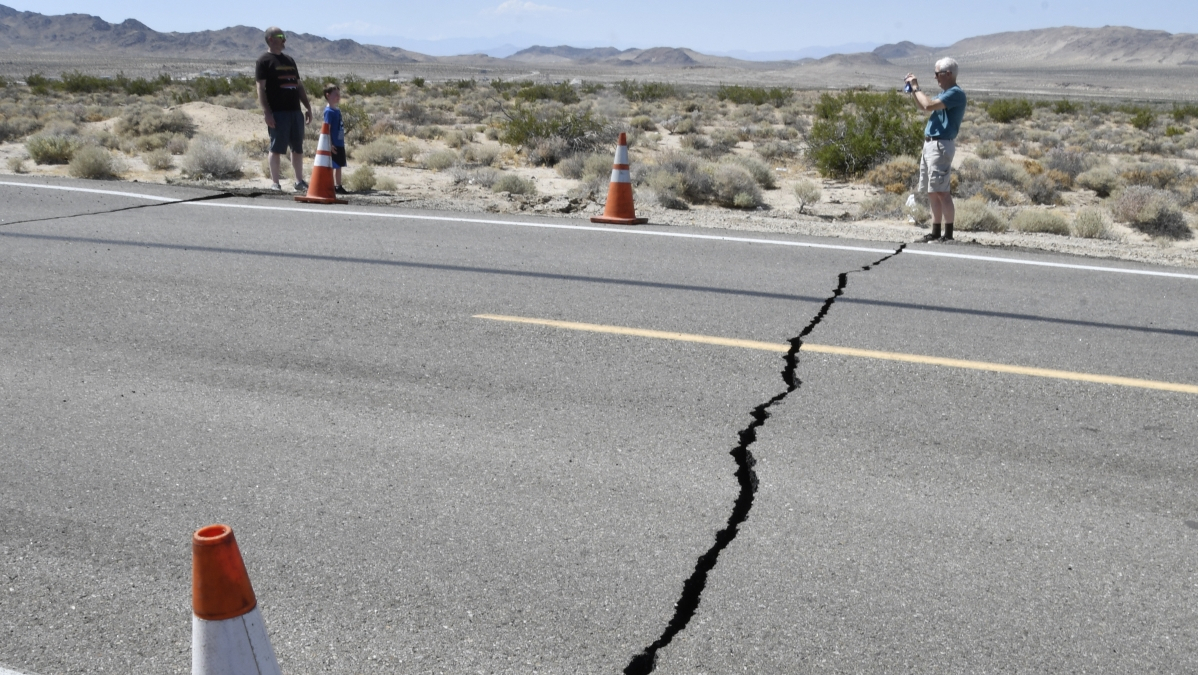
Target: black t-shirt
[[282, 81]]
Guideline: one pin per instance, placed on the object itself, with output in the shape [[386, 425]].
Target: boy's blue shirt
[[332, 117], [946, 122]]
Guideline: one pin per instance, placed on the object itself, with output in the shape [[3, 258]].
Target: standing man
[[939, 144], [280, 93]]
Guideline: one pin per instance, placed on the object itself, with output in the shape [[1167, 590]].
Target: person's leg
[[275, 167], [337, 177], [297, 163], [925, 176], [940, 162]]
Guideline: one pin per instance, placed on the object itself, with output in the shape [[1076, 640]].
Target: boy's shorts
[[288, 131], [935, 164], [338, 154]]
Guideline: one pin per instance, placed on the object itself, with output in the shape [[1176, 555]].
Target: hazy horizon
[[751, 29]]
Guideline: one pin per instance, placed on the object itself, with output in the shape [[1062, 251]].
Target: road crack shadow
[[692, 589]]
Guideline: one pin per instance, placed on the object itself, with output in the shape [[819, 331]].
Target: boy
[[332, 117]]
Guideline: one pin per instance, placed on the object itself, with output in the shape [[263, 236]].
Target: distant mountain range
[[82, 34]]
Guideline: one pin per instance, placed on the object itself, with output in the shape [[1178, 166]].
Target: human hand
[[912, 81], [270, 118], [308, 116]]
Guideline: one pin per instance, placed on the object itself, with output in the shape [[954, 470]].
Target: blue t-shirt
[[332, 117], [945, 123]]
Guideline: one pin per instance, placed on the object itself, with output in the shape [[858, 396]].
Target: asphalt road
[[420, 490]]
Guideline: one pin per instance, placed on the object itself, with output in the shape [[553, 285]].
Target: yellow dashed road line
[[849, 351]]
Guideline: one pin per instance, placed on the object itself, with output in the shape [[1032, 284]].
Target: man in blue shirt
[[939, 144]]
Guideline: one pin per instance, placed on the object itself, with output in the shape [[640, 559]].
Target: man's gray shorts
[[288, 131], [935, 164]]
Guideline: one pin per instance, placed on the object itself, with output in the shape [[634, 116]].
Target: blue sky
[[710, 26]]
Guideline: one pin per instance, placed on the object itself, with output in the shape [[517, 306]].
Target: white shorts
[[935, 164]]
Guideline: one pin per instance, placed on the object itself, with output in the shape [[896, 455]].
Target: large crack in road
[[692, 589]]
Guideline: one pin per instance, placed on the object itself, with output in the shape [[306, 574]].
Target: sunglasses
[[280, 36], [938, 73]]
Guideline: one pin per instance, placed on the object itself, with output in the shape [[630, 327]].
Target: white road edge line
[[6, 671], [609, 230]]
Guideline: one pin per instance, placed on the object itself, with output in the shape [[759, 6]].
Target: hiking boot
[[340, 190]]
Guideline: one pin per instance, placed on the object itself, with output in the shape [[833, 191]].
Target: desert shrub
[[177, 145], [1092, 223], [76, 82], [898, 175], [1041, 189], [159, 160], [1141, 118], [1000, 192], [1039, 220], [144, 120], [1151, 211], [510, 182], [285, 169], [1066, 107], [16, 164], [361, 180], [775, 96], [761, 173], [91, 161], [52, 148], [1067, 161], [207, 156], [210, 87], [866, 130], [18, 127], [685, 125], [646, 91], [440, 160], [457, 138], [1160, 175], [380, 152], [807, 192], [776, 149], [484, 176], [1101, 179], [735, 187], [480, 154], [1005, 110], [580, 166], [386, 184], [561, 92], [643, 122], [408, 151], [885, 206], [989, 150], [694, 182], [578, 131], [975, 215], [547, 152]]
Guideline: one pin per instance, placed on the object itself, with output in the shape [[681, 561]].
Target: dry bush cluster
[[1019, 161]]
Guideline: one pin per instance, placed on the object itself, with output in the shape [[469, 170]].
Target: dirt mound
[[228, 124]]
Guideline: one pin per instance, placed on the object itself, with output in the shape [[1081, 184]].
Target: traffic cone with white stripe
[[619, 209], [228, 636], [321, 189]]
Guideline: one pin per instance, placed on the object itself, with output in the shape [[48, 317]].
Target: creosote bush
[[382, 152], [440, 160], [736, 188], [859, 130], [1008, 110], [159, 160], [897, 175]]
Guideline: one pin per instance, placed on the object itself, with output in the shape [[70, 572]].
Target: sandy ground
[[833, 216]]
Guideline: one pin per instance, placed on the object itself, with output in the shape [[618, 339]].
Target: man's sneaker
[[928, 238], [340, 190], [275, 187], [947, 237], [301, 186]]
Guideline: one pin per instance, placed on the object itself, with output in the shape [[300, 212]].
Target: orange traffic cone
[[619, 209], [321, 189], [228, 636]]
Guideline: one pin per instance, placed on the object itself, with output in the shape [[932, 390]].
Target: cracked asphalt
[[419, 491]]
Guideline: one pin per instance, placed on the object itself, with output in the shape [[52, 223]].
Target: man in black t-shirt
[[280, 93]]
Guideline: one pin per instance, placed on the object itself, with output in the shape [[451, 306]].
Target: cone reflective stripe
[[228, 636], [619, 209], [321, 189]]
